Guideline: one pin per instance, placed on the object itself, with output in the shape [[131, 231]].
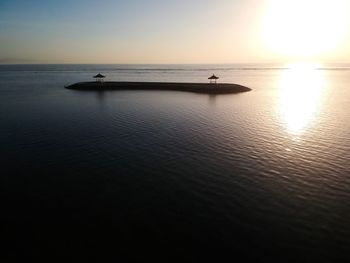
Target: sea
[[134, 176]]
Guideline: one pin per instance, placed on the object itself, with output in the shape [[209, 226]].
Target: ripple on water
[[222, 169]]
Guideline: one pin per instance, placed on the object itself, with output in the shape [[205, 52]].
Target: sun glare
[[305, 28], [300, 88]]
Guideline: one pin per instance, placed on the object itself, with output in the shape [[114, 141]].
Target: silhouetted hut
[[99, 77], [213, 79]]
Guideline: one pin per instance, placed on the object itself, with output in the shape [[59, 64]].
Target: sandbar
[[205, 88]]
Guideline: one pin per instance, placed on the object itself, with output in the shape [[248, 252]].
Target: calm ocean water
[[263, 175]]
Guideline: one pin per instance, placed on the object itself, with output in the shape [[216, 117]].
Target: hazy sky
[[181, 31]]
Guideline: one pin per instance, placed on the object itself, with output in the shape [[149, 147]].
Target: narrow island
[[206, 88]]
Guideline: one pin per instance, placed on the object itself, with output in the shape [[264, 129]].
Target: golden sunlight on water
[[300, 92]]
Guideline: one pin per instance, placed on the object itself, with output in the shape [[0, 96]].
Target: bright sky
[[168, 31]]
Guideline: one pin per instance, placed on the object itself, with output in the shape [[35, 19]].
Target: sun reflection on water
[[300, 92]]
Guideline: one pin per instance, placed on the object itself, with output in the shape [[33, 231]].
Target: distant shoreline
[[205, 88]]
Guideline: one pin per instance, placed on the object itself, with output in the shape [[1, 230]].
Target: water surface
[[263, 175]]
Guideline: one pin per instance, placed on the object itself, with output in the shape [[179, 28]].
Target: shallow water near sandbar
[[134, 174]]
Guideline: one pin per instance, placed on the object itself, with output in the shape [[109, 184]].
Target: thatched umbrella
[[213, 79], [99, 77]]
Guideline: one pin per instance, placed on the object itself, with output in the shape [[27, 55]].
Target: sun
[[305, 28]]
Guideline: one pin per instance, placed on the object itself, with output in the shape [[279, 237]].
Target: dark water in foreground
[[175, 176]]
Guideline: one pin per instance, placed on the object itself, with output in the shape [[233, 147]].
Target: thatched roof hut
[[99, 77], [213, 79]]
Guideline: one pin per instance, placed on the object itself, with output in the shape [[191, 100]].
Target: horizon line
[[219, 63]]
